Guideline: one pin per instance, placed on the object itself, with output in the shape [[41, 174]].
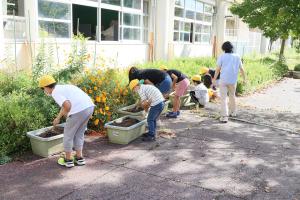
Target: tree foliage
[[276, 18]]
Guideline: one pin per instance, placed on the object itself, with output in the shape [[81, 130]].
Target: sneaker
[[172, 115], [65, 162], [224, 119], [79, 161], [145, 135], [178, 113], [232, 114], [149, 138]]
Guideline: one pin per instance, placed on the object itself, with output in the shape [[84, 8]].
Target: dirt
[[52, 132], [127, 122], [93, 133], [135, 110]]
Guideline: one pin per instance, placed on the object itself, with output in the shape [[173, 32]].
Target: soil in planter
[[52, 132], [126, 122], [135, 110]]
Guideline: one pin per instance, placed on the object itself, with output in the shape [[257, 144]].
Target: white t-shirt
[[230, 64], [150, 93], [79, 99], [201, 93]]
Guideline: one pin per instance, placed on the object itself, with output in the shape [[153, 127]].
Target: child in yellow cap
[[150, 97], [199, 92], [207, 76]]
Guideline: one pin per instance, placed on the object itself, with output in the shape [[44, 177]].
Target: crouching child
[[199, 92], [153, 98]]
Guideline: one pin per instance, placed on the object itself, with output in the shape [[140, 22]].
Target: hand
[[56, 121], [214, 82], [146, 105]]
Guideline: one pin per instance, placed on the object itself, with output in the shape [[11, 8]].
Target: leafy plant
[[297, 68]]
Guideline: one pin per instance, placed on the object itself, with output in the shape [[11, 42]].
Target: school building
[[126, 31]]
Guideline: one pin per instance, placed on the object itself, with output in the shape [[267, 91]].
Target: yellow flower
[[96, 122], [95, 88], [98, 99], [93, 80], [90, 91], [103, 99], [101, 111], [98, 71], [107, 108]]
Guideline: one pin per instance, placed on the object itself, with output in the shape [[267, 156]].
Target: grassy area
[[261, 70]]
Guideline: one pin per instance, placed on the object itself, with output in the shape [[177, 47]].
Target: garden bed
[[47, 141], [132, 110], [125, 129]]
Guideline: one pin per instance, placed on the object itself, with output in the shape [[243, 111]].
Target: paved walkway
[[207, 160]]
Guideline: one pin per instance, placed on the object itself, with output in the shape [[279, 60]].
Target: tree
[[276, 18]]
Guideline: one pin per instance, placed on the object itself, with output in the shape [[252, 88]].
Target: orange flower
[[98, 99], [90, 91], [95, 88], [103, 99], [96, 122], [101, 111]]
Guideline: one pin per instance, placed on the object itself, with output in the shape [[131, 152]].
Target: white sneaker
[[224, 119]]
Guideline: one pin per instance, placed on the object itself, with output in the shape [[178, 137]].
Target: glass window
[[179, 12], [205, 29], [176, 25], [207, 18], [132, 4], [185, 37], [197, 37], [179, 2], [145, 36], [146, 7], [109, 25], [11, 6], [131, 34], [198, 28], [54, 29], [131, 19], [199, 16], [48, 9], [176, 36], [187, 27], [112, 2], [199, 6], [208, 8], [13, 28], [146, 23], [189, 14], [190, 4], [205, 38]]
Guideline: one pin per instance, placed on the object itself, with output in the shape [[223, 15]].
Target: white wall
[[192, 50]]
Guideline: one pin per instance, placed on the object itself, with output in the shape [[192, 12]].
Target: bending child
[[199, 92]]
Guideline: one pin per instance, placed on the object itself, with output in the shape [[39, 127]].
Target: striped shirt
[[150, 93]]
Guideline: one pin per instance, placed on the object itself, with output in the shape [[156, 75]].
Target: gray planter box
[[124, 135], [45, 146], [296, 74], [166, 107], [141, 115]]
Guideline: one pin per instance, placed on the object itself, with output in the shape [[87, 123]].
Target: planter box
[[124, 135], [45, 146], [185, 100], [296, 74], [141, 115]]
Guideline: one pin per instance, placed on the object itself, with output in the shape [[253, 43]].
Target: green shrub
[[297, 67], [17, 82]]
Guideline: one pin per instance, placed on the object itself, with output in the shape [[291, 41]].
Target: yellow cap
[[196, 78], [133, 83], [163, 67], [203, 70], [46, 80]]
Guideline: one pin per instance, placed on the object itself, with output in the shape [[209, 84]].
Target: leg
[[224, 105], [176, 103], [152, 118], [232, 99], [69, 134]]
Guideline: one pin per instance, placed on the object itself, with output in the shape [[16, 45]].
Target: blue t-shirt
[[230, 64]]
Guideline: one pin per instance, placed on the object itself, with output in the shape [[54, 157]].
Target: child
[[78, 108], [199, 92], [180, 84], [150, 96], [208, 75]]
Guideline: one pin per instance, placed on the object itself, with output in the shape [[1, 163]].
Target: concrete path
[[207, 160]]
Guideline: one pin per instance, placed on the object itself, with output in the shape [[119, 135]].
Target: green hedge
[[297, 67]]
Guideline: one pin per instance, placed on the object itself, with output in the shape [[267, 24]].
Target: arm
[[175, 78], [65, 109], [147, 81], [218, 69], [243, 74]]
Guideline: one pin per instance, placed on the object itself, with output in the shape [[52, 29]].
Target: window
[[54, 19], [11, 7], [112, 2], [127, 22], [193, 21], [132, 4], [86, 16]]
